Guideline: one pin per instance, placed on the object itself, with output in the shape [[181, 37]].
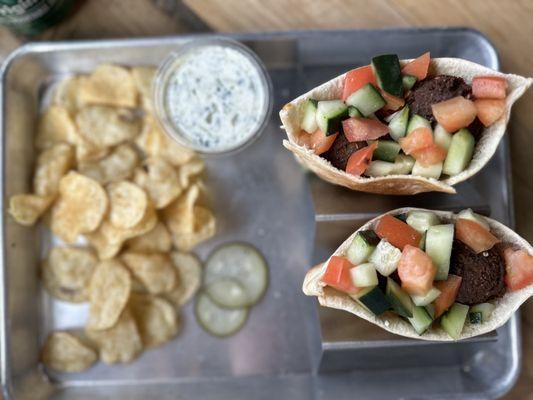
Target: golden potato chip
[[55, 126], [190, 170], [160, 180], [52, 165], [179, 215], [107, 126], [67, 271], [27, 208], [154, 271], [64, 352], [156, 319], [118, 165], [154, 142], [109, 85], [156, 241], [119, 344], [108, 239], [204, 228], [89, 152], [143, 77], [127, 204], [109, 291], [66, 93], [80, 208], [189, 269]]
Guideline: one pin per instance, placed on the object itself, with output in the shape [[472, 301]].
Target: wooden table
[[506, 23]]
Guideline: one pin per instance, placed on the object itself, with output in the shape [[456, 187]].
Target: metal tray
[[262, 196]]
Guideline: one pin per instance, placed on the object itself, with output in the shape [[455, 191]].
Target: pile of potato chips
[[127, 203]]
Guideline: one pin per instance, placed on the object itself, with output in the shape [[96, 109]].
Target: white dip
[[215, 98]]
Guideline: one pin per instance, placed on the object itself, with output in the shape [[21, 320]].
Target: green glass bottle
[[29, 17]]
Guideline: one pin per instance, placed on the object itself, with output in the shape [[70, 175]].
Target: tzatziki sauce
[[215, 97]]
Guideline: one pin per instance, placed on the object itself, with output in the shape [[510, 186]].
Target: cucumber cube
[[408, 81], [439, 242], [454, 319], [380, 168], [329, 115], [426, 299], [374, 300], [430, 308], [387, 150], [422, 220], [404, 164], [460, 153], [442, 137], [475, 317], [367, 100], [415, 122], [388, 73], [386, 258], [400, 301], [430, 171], [420, 320], [362, 246], [484, 310], [354, 112], [308, 123], [398, 124], [364, 275]]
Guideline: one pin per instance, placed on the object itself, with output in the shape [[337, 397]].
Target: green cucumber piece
[[422, 220], [374, 300], [388, 73], [442, 137], [380, 168], [472, 216], [460, 152], [329, 115], [430, 308], [404, 164], [415, 122], [386, 258], [426, 299], [430, 171], [480, 313], [362, 246], [309, 116], [439, 242], [353, 112], [367, 100], [420, 320], [399, 300], [227, 293], [216, 320], [422, 243], [398, 124], [364, 275], [408, 81], [454, 319], [387, 150]]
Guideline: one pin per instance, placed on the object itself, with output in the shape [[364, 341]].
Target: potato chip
[[64, 352], [179, 215], [190, 170], [143, 78], [189, 269], [119, 344], [80, 208], [66, 93], [27, 208], [89, 152], [157, 240], [52, 165], [109, 291], [67, 271], [109, 85], [55, 126], [127, 204], [108, 239], [107, 126], [154, 271], [204, 228], [160, 180], [156, 319], [155, 142], [118, 165]]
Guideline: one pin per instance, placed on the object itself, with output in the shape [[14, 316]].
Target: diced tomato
[[418, 67], [393, 103], [397, 232], [430, 155], [416, 271], [417, 140], [338, 276], [356, 79], [474, 235], [316, 141], [519, 268], [448, 292], [454, 114], [359, 161], [359, 129], [489, 110], [489, 87]]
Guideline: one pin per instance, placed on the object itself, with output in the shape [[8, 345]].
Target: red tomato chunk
[[489, 87], [356, 79], [416, 271], [397, 232], [454, 114], [448, 293], [474, 235], [359, 161], [316, 141], [337, 275], [362, 129], [519, 268]]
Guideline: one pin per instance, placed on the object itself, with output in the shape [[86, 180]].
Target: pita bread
[[505, 306], [402, 184]]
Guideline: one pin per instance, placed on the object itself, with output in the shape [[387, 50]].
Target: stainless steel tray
[[264, 197]]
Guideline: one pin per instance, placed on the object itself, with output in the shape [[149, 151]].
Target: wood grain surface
[[506, 23]]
